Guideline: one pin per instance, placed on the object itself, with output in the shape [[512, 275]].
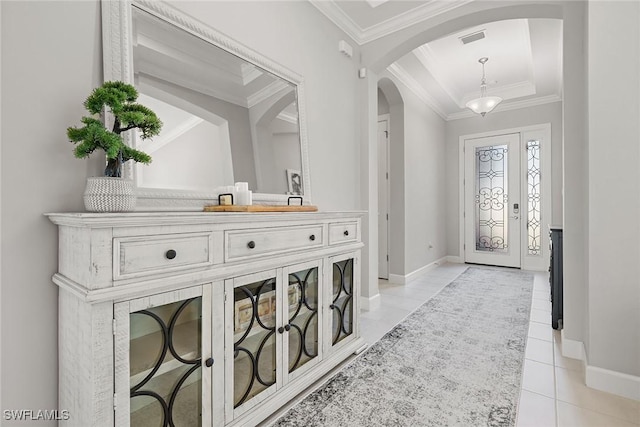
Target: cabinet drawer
[[250, 243], [141, 256], [343, 232]]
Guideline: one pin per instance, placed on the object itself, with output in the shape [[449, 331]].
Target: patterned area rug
[[455, 361]]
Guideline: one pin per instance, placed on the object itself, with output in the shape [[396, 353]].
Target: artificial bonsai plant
[[118, 98]]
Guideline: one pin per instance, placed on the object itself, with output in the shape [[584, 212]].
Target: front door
[[492, 200]]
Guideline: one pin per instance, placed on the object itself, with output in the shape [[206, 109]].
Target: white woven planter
[[107, 194]]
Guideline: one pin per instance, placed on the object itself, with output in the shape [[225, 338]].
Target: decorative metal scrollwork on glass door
[[302, 298], [533, 198], [342, 301], [254, 348], [491, 199], [165, 365]]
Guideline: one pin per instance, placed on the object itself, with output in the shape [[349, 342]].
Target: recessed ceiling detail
[[521, 70], [526, 54]]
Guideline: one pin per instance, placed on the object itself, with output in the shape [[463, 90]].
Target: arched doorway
[[391, 205]]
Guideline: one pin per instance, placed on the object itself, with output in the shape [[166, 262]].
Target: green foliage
[[119, 99]]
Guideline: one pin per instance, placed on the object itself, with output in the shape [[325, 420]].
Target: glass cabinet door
[[342, 299], [302, 318], [164, 336], [253, 311]]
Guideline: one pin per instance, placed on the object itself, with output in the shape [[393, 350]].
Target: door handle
[[513, 217]]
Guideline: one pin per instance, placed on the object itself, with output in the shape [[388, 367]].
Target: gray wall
[[575, 207], [614, 195], [51, 59], [547, 113], [421, 163], [425, 192]]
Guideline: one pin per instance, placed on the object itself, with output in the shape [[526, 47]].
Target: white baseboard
[[606, 380], [613, 382], [370, 303], [572, 348], [454, 259], [399, 279]]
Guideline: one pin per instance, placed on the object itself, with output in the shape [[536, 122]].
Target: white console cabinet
[[201, 319]]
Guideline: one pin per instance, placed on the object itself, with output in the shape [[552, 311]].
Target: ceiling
[[525, 55]]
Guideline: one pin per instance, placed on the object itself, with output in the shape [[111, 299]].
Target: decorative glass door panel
[[303, 305], [534, 198], [254, 339], [342, 300], [492, 200], [165, 365]]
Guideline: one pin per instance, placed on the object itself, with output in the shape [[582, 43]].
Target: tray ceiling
[[525, 55]]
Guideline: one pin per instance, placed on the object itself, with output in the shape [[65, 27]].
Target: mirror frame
[[118, 65]]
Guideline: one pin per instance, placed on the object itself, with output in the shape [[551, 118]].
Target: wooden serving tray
[[260, 208]]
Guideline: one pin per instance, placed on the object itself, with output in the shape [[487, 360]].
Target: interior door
[[383, 199], [492, 200]]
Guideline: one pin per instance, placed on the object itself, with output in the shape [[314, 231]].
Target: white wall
[[498, 120], [51, 59], [614, 187]]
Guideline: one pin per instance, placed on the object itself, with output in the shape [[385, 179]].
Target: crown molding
[[288, 117], [161, 140], [424, 54], [267, 92], [515, 105], [406, 79], [399, 22]]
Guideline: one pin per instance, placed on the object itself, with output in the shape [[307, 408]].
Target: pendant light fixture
[[484, 104]]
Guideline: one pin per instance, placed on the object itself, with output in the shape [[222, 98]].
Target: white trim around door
[[535, 188], [384, 204]]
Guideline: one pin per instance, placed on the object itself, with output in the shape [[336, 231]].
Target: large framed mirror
[[230, 114]]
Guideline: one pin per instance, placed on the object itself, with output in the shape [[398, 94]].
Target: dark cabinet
[[555, 276]]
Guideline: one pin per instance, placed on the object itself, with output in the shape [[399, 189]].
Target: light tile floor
[[553, 393]]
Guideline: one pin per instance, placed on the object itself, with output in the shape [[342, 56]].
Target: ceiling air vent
[[473, 37]]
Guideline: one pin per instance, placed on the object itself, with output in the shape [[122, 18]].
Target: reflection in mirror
[[225, 119]]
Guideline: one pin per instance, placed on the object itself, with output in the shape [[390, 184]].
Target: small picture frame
[[243, 314], [293, 297], [264, 311], [294, 181]]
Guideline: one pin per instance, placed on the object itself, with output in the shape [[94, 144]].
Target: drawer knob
[[209, 362], [312, 237], [251, 244], [346, 232], [171, 254]]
